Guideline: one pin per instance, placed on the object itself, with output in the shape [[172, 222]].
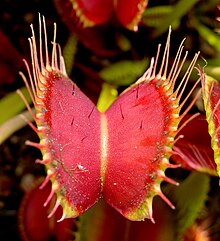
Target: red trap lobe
[[73, 123]]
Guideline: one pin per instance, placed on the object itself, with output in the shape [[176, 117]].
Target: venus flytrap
[[98, 12], [211, 97], [121, 154]]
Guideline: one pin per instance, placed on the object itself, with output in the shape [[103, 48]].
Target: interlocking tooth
[[170, 165], [167, 179], [33, 127], [42, 162], [62, 218], [57, 204], [150, 210], [34, 144], [165, 199], [47, 179], [54, 188], [49, 198]]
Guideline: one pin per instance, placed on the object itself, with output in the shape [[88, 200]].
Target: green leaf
[[12, 104], [213, 62], [208, 35], [190, 198], [69, 52], [179, 10], [154, 16], [123, 72], [213, 72], [90, 224], [123, 43], [103, 223], [12, 125], [108, 94]]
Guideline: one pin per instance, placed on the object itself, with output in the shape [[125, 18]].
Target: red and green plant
[[142, 136]]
